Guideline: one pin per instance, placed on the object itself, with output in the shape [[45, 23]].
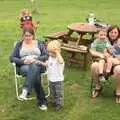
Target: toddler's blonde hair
[[54, 45]]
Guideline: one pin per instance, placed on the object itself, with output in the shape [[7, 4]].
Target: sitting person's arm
[[117, 57], [96, 53], [107, 53], [44, 52], [15, 57], [42, 63], [93, 51]]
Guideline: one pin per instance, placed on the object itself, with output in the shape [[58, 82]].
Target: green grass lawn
[[55, 15]]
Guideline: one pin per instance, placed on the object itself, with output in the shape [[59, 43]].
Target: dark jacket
[[15, 56]]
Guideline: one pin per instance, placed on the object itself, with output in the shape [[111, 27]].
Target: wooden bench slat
[[56, 35], [73, 48]]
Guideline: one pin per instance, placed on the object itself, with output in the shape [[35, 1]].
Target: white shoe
[[43, 107], [23, 95]]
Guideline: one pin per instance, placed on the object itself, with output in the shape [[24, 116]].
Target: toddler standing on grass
[[55, 68]]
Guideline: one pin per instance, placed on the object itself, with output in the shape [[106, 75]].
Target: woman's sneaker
[[23, 95], [43, 107]]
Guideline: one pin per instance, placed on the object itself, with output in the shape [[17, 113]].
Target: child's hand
[[41, 63], [54, 50], [101, 56], [107, 55], [57, 52]]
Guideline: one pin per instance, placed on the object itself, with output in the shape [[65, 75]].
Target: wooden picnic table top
[[82, 28]]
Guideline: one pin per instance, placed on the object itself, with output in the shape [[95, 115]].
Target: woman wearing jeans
[[25, 55]]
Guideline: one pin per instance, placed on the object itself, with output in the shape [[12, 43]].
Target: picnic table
[[74, 47], [82, 29]]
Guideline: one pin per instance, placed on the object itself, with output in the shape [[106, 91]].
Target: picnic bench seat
[[58, 35], [76, 49]]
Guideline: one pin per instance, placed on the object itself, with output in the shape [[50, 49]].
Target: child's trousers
[[57, 93]]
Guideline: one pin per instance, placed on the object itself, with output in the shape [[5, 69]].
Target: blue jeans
[[32, 74]]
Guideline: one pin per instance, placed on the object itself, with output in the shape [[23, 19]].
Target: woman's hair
[[111, 28], [29, 30]]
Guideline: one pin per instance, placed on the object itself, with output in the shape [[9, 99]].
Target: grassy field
[[55, 15]]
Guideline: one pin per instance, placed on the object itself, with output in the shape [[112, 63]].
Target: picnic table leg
[[93, 36], [72, 56], [69, 33], [79, 38], [85, 61]]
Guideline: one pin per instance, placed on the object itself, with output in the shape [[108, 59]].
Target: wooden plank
[[73, 49], [56, 35]]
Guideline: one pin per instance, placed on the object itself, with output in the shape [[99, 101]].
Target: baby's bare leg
[[101, 66], [109, 65]]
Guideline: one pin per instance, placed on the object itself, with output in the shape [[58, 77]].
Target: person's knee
[[34, 69], [117, 70], [24, 69], [94, 70], [94, 66]]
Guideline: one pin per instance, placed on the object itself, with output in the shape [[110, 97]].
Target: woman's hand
[[26, 61], [29, 61]]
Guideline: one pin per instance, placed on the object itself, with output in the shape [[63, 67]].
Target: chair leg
[[16, 87]]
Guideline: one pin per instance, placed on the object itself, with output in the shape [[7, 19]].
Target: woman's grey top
[[31, 53]]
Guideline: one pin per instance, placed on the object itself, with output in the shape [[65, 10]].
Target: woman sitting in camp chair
[[25, 54], [113, 34]]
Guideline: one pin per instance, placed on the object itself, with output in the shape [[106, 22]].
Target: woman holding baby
[[113, 34]]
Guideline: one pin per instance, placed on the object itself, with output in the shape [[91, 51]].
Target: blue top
[[116, 49]]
